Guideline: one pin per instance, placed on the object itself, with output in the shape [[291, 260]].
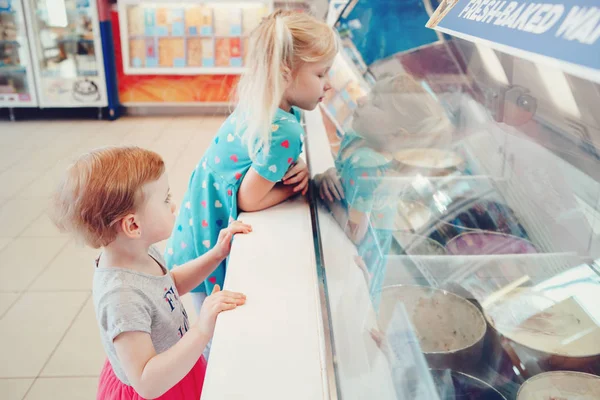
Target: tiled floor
[[49, 342]]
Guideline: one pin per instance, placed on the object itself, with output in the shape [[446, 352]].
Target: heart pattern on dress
[[286, 144], [230, 138], [273, 168], [206, 244], [218, 204]]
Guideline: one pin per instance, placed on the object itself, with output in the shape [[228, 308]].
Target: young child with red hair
[[118, 199]]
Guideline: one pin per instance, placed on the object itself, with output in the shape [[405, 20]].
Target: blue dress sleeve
[[286, 146]]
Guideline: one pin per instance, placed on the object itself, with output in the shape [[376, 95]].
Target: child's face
[[157, 214], [308, 85]]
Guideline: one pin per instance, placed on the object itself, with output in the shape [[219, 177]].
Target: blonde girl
[[253, 162]]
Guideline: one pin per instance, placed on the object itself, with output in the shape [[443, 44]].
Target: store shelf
[[19, 69], [58, 74], [186, 71]]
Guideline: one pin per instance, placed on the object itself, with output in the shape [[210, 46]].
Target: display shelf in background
[[194, 37]]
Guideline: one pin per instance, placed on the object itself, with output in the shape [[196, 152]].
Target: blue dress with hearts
[[210, 202]]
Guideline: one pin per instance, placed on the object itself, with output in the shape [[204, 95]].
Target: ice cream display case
[[67, 52], [456, 205], [17, 87], [190, 37]]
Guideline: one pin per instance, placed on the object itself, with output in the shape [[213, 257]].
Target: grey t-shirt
[[127, 301]]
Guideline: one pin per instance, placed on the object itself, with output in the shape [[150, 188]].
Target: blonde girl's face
[[308, 85], [157, 214]]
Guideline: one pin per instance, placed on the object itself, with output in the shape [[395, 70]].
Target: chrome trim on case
[[331, 376]]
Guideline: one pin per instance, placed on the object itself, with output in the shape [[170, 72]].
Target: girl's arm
[[257, 193], [151, 374], [193, 273]]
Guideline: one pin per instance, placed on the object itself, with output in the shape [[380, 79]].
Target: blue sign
[[567, 30], [5, 5]]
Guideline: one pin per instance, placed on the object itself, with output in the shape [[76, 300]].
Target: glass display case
[[193, 37], [457, 216], [17, 88], [67, 52]]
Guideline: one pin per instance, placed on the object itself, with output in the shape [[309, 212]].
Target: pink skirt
[[190, 387]]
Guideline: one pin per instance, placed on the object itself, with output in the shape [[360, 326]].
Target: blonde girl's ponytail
[[276, 47]]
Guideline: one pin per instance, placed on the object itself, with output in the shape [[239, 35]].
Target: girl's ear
[[286, 72]]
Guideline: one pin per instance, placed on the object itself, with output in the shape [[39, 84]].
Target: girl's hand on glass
[[298, 175], [330, 186]]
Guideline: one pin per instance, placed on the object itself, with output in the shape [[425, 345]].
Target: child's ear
[[130, 226], [286, 72]]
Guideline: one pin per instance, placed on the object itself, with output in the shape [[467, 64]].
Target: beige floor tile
[[63, 389], [33, 327], [15, 179], [23, 260], [14, 389], [43, 227], [17, 214], [4, 241], [72, 269], [81, 352], [10, 157], [42, 186], [7, 300]]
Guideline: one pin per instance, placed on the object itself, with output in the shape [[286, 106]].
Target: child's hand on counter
[[223, 246], [215, 304]]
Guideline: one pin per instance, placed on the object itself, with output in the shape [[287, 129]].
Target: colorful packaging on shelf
[[177, 22], [235, 22], [207, 22], [223, 52], [151, 58], [208, 53], [136, 21], [193, 20], [162, 22], [235, 52], [171, 52], [149, 21], [137, 53], [222, 22], [194, 52]]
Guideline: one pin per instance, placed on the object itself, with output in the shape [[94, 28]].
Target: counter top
[[272, 347]]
